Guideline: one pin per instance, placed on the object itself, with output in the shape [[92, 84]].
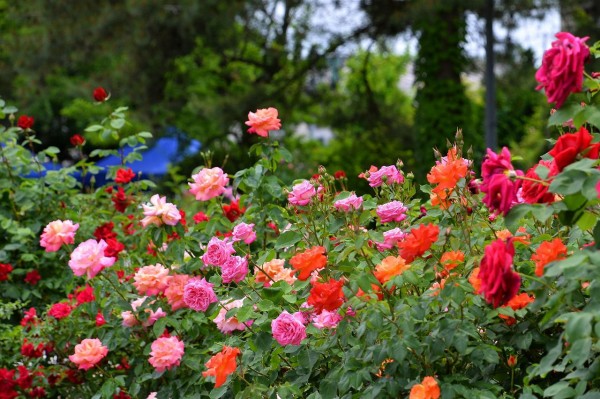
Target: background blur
[[355, 82]]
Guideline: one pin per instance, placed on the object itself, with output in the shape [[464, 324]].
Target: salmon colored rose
[[88, 353], [308, 261], [262, 121]]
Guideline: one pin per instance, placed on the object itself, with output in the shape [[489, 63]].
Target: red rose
[[29, 350], [100, 321], [326, 296], [340, 174], [499, 283], [105, 231], [60, 310], [570, 145], [200, 217], [84, 295], [114, 247], [77, 140], [233, 210], [25, 122], [537, 193], [121, 200], [561, 72], [100, 94], [124, 176], [5, 270], [33, 277]]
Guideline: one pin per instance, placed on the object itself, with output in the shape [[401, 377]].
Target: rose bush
[[487, 289]]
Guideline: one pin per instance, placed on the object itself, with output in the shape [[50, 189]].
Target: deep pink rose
[[234, 269], [244, 232], [499, 183], [393, 211], [499, 282], [387, 174], [217, 252], [561, 72], [289, 329], [198, 294], [348, 204], [302, 193]]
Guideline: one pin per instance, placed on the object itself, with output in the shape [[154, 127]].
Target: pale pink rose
[[302, 193], [326, 319], [208, 183], [217, 252], [152, 395], [166, 353], [227, 325], [198, 294], [393, 211], [151, 280], [159, 211], [234, 269], [348, 204], [262, 121], [174, 291], [88, 353], [244, 232], [89, 258], [387, 174], [289, 329], [57, 233], [390, 239]]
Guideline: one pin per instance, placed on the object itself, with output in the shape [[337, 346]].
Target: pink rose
[[390, 239], [57, 233], [166, 353], [561, 72], [151, 280], [393, 211], [217, 252], [88, 353], [348, 204], [289, 329], [387, 174], [130, 319], [234, 269], [174, 291], [499, 282], [326, 319], [244, 232], [499, 188], [227, 325], [89, 258], [302, 193], [198, 294], [160, 211], [208, 183], [262, 121]]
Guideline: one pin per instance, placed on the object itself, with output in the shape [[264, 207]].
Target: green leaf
[[514, 216], [288, 239], [559, 390], [579, 325], [563, 114], [93, 128]]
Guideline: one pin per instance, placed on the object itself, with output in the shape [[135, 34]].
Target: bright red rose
[[100, 94], [105, 231], [571, 146], [30, 350], [114, 248], [121, 200], [537, 193], [499, 282], [25, 378], [60, 310], [200, 217], [561, 72], [124, 176], [233, 210], [77, 140], [29, 318], [5, 270], [33, 277], [84, 295], [328, 296], [25, 122], [418, 241], [340, 174], [100, 321]]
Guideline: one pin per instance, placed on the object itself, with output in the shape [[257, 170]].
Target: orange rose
[[308, 261]]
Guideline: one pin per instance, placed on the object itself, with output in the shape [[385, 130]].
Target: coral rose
[[308, 261], [326, 296], [561, 72], [88, 353], [174, 291], [547, 252], [262, 121], [57, 233], [222, 364], [151, 280], [427, 389], [390, 267], [166, 353]]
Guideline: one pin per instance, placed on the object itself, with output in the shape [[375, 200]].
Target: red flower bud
[[25, 122], [77, 140], [100, 94]]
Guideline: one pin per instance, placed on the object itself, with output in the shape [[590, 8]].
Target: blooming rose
[[427, 389], [570, 146], [217, 252], [88, 353], [348, 204], [57, 233], [390, 267], [5, 270], [499, 188], [160, 211], [208, 183], [393, 211], [308, 261], [227, 325], [561, 72], [151, 280], [25, 122], [166, 353], [198, 294], [390, 239], [124, 176], [174, 291], [100, 94], [499, 283], [533, 192], [60, 310], [234, 269], [221, 365], [326, 319], [32, 277], [273, 271], [244, 232], [326, 296], [262, 121], [289, 329], [387, 174], [302, 193], [89, 258]]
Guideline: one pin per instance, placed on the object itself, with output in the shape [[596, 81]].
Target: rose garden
[[481, 282]]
